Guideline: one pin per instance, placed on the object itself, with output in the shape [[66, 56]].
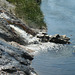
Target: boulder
[[61, 39], [43, 37]]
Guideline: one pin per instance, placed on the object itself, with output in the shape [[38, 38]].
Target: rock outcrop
[[11, 19], [60, 39], [14, 60]]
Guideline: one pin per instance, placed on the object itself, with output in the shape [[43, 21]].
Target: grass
[[29, 11]]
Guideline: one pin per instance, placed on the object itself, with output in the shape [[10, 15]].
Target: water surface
[[59, 16]]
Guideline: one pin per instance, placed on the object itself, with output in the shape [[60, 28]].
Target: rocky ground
[[14, 59]]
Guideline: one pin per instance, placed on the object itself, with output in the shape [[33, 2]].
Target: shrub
[[29, 11]]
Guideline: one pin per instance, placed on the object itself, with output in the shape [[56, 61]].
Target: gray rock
[[14, 59], [60, 39]]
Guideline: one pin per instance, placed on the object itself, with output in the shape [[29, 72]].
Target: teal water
[[59, 16]]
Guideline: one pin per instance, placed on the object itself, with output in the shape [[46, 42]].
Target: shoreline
[[18, 42]]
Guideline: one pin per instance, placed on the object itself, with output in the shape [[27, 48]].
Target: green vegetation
[[29, 11]]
